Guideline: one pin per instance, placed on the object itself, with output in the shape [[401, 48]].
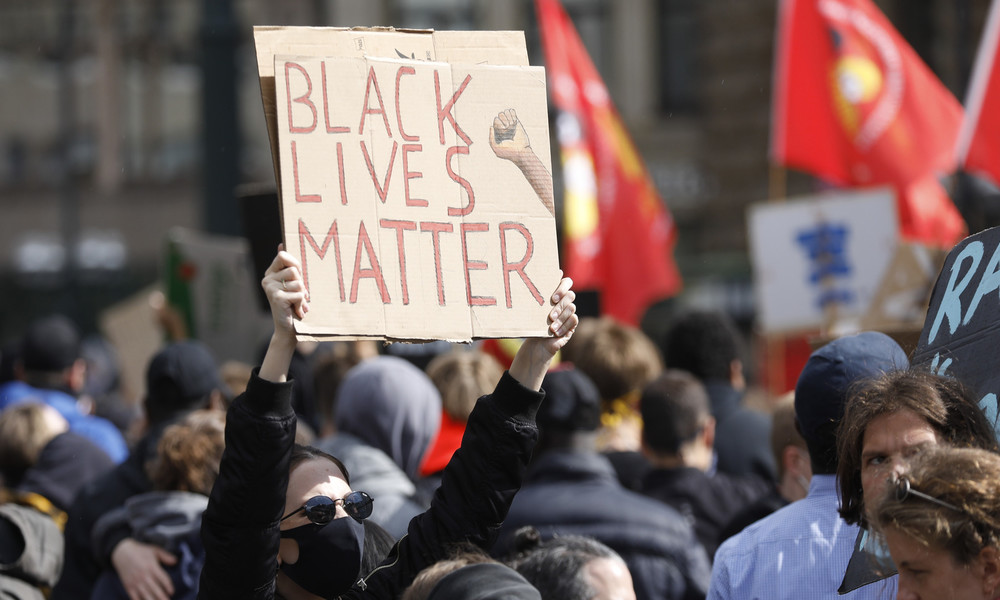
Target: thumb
[[165, 557]]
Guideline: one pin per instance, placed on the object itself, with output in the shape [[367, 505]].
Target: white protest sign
[[819, 256]]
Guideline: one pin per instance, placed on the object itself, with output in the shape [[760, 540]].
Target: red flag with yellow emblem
[[619, 236], [855, 105]]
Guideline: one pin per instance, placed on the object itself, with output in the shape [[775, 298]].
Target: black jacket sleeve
[[240, 526], [477, 488]]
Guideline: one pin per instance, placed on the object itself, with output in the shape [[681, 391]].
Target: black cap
[[821, 392], [572, 402], [50, 345], [180, 376]]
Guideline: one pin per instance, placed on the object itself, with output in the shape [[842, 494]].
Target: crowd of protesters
[[595, 464]]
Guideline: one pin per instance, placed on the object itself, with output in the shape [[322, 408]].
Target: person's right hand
[[138, 567], [289, 300], [286, 292]]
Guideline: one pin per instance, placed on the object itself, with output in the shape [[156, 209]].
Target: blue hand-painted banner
[[962, 330]]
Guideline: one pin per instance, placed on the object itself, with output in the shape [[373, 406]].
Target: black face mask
[[329, 556]]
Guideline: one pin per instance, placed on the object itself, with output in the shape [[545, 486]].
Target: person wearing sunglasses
[[941, 522], [284, 522]]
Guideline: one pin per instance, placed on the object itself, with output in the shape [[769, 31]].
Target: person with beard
[[277, 530]]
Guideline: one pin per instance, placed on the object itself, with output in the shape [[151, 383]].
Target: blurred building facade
[[103, 121]]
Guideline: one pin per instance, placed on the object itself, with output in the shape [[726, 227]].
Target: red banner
[[979, 142], [855, 105], [619, 236]]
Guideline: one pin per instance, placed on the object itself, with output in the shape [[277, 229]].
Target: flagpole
[[777, 183]]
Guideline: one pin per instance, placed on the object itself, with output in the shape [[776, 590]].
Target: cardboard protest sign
[[131, 327], [820, 258], [470, 47], [208, 281], [416, 193], [962, 329]]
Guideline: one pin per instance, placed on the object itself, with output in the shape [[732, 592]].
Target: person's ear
[[736, 378], [989, 570], [645, 449], [217, 401], [790, 459], [708, 432], [76, 375]]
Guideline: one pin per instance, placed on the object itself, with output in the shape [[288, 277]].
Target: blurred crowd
[[650, 479]]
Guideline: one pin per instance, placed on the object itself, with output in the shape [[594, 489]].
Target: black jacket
[[240, 526], [742, 436], [577, 493], [709, 502]]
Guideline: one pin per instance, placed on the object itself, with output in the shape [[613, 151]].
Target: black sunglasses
[[321, 509], [904, 490]]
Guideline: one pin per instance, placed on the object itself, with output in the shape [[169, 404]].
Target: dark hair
[[966, 478], [944, 403], [462, 555], [674, 410], [378, 543], [328, 373], [301, 454], [556, 567], [702, 343]]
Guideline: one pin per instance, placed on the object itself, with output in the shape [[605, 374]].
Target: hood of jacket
[[388, 403]]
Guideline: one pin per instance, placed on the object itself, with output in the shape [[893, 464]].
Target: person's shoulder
[[785, 523], [743, 418], [649, 512]]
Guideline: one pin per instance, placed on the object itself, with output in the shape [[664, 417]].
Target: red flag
[[979, 141], [619, 236], [855, 105]]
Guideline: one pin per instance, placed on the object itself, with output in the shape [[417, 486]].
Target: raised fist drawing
[[509, 141]]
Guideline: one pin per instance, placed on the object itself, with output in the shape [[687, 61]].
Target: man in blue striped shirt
[[802, 550]]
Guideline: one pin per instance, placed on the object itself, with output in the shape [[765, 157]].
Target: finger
[[564, 307], [568, 319], [162, 586], [289, 260], [562, 289], [493, 139], [301, 307], [568, 327], [152, 591], [288, 275], [291, 285], [504, 124], [512, 116], [165, 557], [497, 123]]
